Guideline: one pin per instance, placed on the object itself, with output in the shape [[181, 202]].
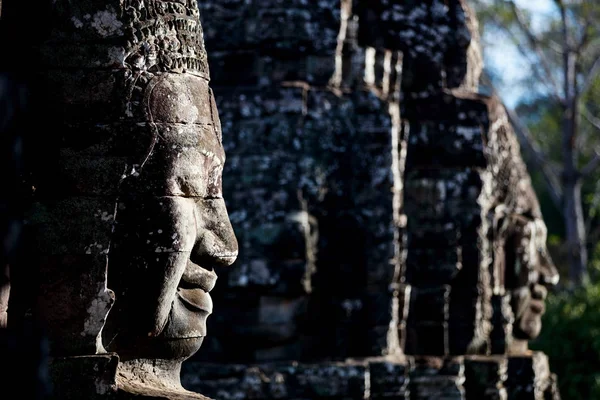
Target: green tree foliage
[[571, 339]]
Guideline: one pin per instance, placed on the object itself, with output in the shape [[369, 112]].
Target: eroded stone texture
[[485, 377], [275, 40], [529, 377], [317, 174], [522, 268], [369, 378], [450, 295], [472, 215], [129, 210], [281, 380], [445, 277], [437, 378], [309, 185]]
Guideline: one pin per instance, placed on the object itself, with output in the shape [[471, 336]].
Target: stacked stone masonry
[[308, 182], [378, 198], [452, 168]]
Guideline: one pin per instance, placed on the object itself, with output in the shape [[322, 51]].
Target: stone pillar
[[314, 208], [255, 47], [309, 146], [471, 210]]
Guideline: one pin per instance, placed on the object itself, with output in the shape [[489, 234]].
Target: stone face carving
[[171, 228], [529, 270], [523, 268], [463, 163], [476, 260], [138, 158], [310, 192], [522, 260], [129, 220], [448, 301]]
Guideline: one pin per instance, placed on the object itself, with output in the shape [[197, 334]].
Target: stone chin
[[182, 335], [529, 325], [529, 328], [530, 308]]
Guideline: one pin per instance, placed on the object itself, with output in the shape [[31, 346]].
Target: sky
[[504, 57]]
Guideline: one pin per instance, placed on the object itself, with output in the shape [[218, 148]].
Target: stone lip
[[197, 299], [195, 276]]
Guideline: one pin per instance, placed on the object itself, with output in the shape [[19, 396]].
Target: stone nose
[[548, 274], [216, 244], [538, 292]]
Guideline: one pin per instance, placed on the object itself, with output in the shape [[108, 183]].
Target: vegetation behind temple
[[571, 338], [571, 326]]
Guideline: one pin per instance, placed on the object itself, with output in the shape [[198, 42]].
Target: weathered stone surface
[[485, 376], [438, 292], [437, 378], [372, 189], [128, 206], [98, 377], [278, 380], [277, 41], [529, 377], [90, 377], [388, 380], [310, 187]]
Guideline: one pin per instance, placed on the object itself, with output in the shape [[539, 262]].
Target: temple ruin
[[381, 238]]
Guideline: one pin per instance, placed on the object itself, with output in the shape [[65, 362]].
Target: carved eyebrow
[[212, 156]]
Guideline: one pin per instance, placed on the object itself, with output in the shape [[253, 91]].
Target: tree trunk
[[572, 177], [575, 230], [572, 182]]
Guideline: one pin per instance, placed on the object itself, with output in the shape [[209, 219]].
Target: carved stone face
[[172, 226], [529, 271]]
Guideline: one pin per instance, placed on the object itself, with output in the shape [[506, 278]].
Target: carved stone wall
[[309, 184], [379, 201], [448, 296], [463, 180]]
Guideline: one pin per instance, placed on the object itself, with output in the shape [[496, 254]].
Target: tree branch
[[595, 121], [552, 89], [534, 42], [585, 36], [592, 164], [593, 207], [555, 47], [592, 74], [539, 158]]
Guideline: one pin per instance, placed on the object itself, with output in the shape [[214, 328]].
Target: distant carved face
[[529, 271], [172, 226]]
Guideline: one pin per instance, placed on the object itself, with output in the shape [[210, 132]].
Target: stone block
[[484, 377], [90, 377], [389, 380]]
